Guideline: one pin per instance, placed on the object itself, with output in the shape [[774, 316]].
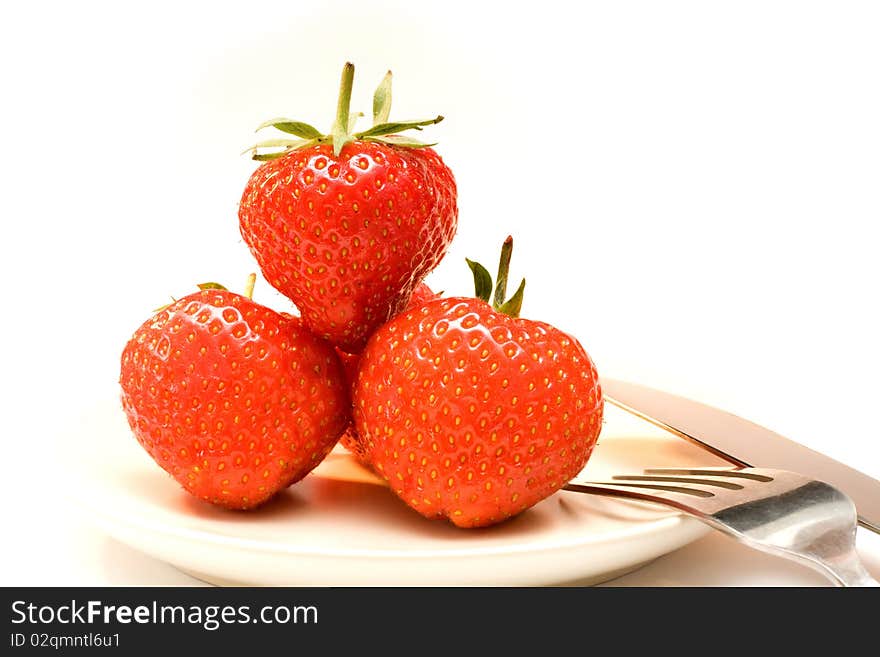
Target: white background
[[693, 189]]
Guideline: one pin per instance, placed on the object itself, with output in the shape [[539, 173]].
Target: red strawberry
[[234, 400], [350, 362], [347, 224], [471, 413]]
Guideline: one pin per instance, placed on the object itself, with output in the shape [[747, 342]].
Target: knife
[[744, 443]]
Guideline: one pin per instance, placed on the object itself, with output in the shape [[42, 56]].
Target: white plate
[[338, 527]]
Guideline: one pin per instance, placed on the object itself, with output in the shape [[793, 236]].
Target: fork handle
[[845, 568], [848, 571]]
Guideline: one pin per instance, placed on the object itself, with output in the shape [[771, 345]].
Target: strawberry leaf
[[513, 305], [276, 143], [396, 126], [482, 280], [400, 140], [211, 286], [382, 101], [264, 157], [291, 127], [285, 144]]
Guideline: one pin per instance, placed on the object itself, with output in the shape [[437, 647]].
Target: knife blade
[[743, 443]]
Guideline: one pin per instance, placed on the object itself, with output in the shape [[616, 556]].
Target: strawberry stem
[[339, 132], [503, 269]]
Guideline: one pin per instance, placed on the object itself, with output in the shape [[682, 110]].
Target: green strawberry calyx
[[483, 283], [212, 285], [249, 284], [342, 131]]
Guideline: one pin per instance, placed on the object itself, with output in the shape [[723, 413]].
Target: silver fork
[[777, 511]]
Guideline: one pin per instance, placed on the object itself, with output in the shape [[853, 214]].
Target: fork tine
[[748, 473], [680, 480], [614, 488]]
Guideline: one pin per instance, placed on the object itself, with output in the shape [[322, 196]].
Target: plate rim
[[646, 527]]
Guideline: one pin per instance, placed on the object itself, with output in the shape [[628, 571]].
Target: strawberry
[[347, 224], [233, 399], [472, 413], [350, 362]]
